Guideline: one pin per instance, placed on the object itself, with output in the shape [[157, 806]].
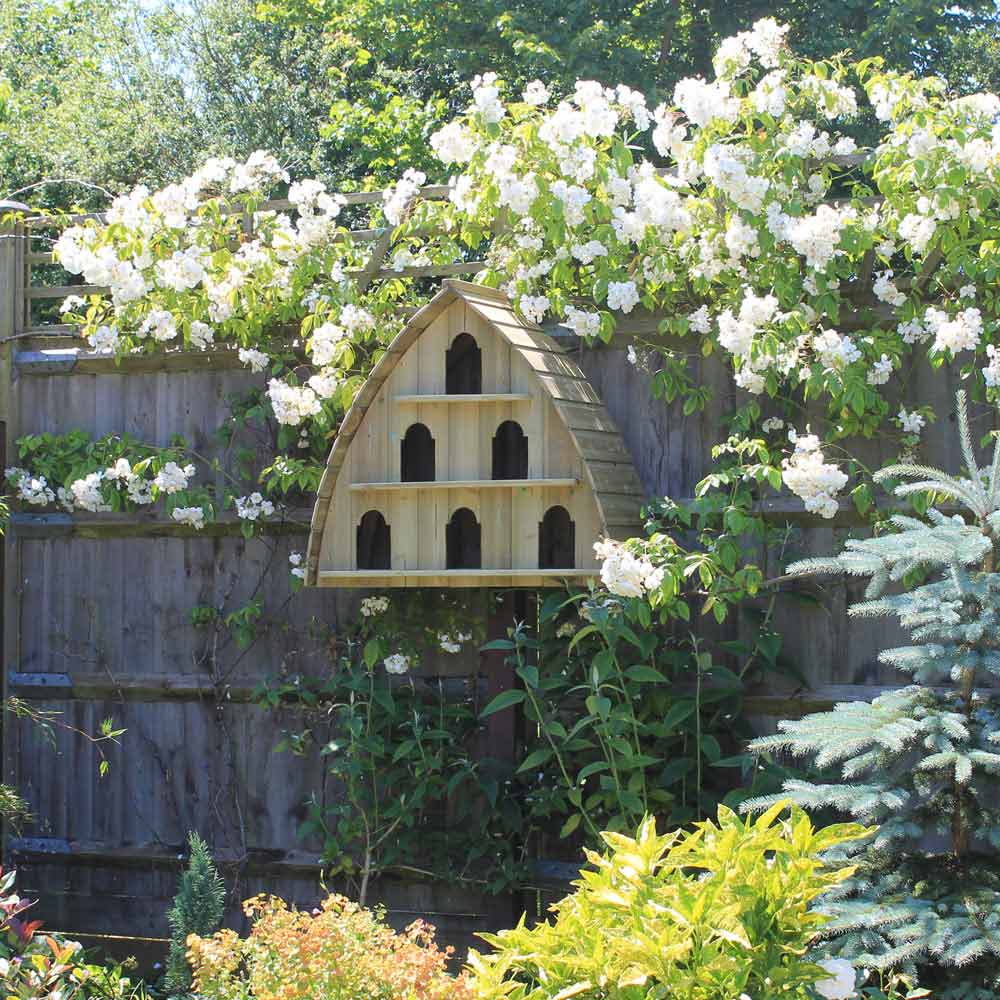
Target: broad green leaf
[[506, 699], [535, 760], [677, 713], [640, 672], [570, 825]]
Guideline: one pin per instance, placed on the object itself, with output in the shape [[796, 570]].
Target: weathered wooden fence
[[96, 624]]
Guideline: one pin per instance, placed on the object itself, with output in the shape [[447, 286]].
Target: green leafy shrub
[[625, 718], [404, 750], [339, 951], [711, 914], [198, 909]]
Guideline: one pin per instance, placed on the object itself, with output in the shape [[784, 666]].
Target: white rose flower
[[583, 324], [397, 198], [87, 493], [256, 360], [372, 606], [104, 340], [700, 320], [172, 478], [292, 403], [533, 307], [625, 574], [396, 663], [961, 332], [193, 516], [840, 985], [449, 643], [160, 324], [139, 490], [880, 371], [702, 102], [454, 143], [253, 507], [622, 296], [31, 489], [991, 373], [486, 98], [911, 423], [810, 478], [71, 302], [122, 469], [201, 334], [834, 350]]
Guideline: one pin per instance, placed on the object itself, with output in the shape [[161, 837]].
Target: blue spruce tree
[[923, 762]]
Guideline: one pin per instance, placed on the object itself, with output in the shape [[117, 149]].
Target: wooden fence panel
[[122, 605], [97, 623], [672, 453]]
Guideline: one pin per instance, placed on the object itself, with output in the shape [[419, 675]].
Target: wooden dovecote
[[476, 454]]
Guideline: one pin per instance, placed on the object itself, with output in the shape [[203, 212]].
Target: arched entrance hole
[[463, 371], [416, 456], [463, 540], [373, 541], [510, 451], [556, 540]]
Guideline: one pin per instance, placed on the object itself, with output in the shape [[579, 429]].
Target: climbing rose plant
[[759, 229], [742, 211]]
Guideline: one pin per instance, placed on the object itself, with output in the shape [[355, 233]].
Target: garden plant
[[921, 762], [722, 911], [339, 951], [36, 964], [826, 230], [198, 909]]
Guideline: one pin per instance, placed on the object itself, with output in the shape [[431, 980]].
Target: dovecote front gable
[[476, 454]]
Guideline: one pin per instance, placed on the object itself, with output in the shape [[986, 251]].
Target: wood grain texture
[[440, 577], [463, 484], [428, 399]]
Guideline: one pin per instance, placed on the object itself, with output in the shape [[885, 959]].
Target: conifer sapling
[[198, 909]]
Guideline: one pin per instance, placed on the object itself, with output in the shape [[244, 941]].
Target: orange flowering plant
[[339, 951]]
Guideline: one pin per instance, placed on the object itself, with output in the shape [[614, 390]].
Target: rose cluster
[[624, 573], [812, 479]]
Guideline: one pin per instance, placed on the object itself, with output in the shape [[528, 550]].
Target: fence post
[[12, 273], [502, 730], [505, 729]]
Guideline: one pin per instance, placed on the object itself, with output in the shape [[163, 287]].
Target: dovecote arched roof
[[607, 466]]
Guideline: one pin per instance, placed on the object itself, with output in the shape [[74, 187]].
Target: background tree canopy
[[113, 92]]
